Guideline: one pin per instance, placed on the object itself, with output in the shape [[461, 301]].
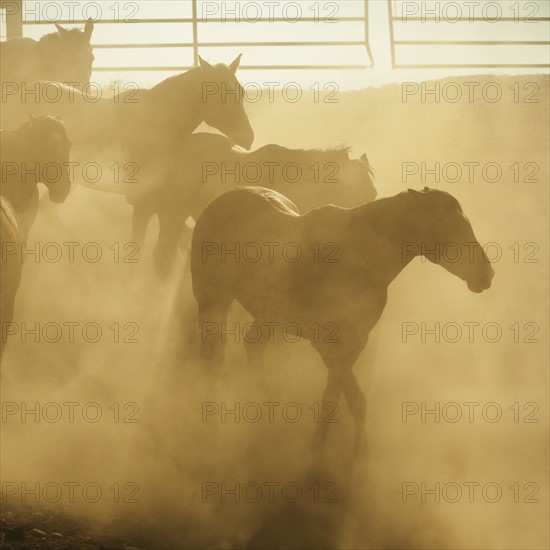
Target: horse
[[37, 151], [237, 254], [62, 56], [212, 163], [10, 272], [144, 125]]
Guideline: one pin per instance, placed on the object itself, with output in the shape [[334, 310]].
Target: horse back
[[245, 206], [243, 214], [17, 53], [208, 144], [313, 256]]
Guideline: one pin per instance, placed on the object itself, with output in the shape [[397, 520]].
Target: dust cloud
[[153, 438]]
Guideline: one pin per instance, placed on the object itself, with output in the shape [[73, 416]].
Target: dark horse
[[210, 163], [62, 56], [346, 294], [38, 151]]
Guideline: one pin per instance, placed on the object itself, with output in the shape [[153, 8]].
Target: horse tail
[[9, 225]]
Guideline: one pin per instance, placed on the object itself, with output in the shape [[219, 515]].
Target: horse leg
[[171, 224], [212, 349], [255, 352], [330, 395], [141, 216], [6, 313], [357, 403]]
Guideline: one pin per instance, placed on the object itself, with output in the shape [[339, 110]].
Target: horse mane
[[338, 154], [168, 82], [50, 38], [445, 198], [185, 75], [220, 66]]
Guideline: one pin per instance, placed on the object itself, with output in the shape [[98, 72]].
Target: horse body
[[309, 177], [146, 127], [208, 93], [62, 56], [348, 294], [38, 151], [212, 164]]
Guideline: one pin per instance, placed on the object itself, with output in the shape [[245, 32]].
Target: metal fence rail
[[16, 22], [394, 20]]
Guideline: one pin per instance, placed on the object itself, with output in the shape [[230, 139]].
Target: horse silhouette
[[62, 56], [147, 126], [207, 93], [10, 273], [347, 294], [212, 164], [38, 151], [141, 124]]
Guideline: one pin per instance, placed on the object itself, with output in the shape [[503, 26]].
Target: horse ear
[[62, 31], [32, 117], [205, 66], [235, 64], [364, 158], [88, 29]]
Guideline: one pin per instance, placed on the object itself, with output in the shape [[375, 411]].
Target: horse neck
[[45, 57], [382, 229], [181, 97]]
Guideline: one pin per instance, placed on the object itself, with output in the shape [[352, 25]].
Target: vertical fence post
[[392, 38], [367, 38], [14, 17], [195, 35]]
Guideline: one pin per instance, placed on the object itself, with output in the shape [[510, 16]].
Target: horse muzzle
[[483, 283], [59, 196]]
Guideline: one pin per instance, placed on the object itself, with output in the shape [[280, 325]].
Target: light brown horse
[[231, 260], [63, 56], [146, 125]]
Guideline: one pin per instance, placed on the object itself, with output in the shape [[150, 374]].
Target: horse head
[[67, 54], [353, 178], [448, 238], [223, 97], [49, 148]]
